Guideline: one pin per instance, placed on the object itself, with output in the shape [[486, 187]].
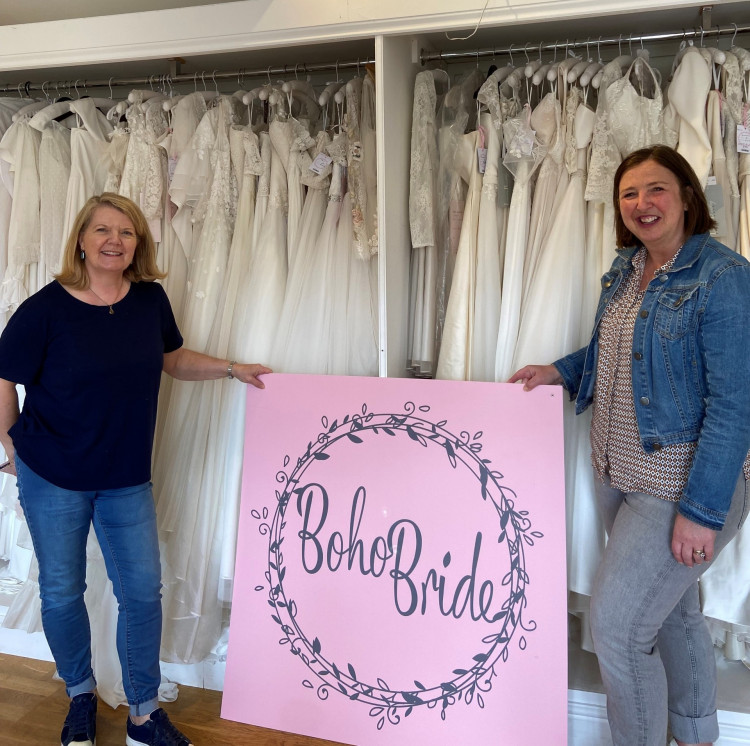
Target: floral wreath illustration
[[389, 705]]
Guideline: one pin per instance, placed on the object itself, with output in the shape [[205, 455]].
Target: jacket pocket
[[676, 311]]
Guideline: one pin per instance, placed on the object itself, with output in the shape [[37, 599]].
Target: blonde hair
[[143, 268]]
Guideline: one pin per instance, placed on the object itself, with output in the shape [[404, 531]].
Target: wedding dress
[[491, 229], [54, 174], [719, 189], [193, 139], [357, 237], [524, 155], [89, 146], [635, 118], [423, 223], [309, 330], [19, 147], [144, 175], [195, 548], [546, 121], [300, 280], [454, 361], [187, 468], [687, 95]]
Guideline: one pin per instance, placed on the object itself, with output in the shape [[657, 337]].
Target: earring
[[83, 254]]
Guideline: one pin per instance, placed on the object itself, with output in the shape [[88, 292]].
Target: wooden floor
[[33, 707]]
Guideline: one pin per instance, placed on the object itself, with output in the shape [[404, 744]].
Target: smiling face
[[109, 241], [652, 207]]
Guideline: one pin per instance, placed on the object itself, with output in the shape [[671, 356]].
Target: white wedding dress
[[19, 147], [300, 280], [525, 154]]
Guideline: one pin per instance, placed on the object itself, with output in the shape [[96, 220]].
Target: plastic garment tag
[[716, 208], [321, 163], [482, 159], [743, 139]]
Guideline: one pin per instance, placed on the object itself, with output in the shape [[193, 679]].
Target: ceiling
[[13, 12]]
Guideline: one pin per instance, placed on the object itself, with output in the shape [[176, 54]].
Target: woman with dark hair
[[667, 371], [89, 348]]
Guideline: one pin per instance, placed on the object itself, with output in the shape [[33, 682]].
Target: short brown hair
[[143, 268], [697, 216]]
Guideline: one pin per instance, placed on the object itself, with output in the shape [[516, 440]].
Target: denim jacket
[[691, 367]]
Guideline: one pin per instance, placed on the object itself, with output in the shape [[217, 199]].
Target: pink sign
[[400, 571]]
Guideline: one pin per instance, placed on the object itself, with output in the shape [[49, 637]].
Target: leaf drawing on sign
[[468, 683]]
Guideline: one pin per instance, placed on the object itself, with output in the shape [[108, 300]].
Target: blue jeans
[[125, 524], [654, 649]]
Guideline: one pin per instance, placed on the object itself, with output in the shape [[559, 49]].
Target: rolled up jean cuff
[[695, 730]]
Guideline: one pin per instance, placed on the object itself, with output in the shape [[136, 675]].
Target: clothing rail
[[203, 77], [589, 43]]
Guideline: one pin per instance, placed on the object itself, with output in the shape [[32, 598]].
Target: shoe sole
[[81, 743], [132, 742]]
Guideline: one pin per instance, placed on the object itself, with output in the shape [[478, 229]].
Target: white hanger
[[254, 94], [329, 91], [588, 74], [299, 85], [441, 78], [170, 103], [743, 56], [562, 68], [534, 65], [29, 109], [541, 73], [577, 70], [53, 111], [144, 94]]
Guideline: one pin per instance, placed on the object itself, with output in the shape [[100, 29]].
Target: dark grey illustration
[[471, 680]]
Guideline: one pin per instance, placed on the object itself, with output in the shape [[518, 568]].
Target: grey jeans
[[654, 649]]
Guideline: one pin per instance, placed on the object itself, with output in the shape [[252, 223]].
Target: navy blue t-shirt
[[92, 384]]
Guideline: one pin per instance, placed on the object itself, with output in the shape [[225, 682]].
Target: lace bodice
[[605, 157], [143, 174], [501, 107], [338, 149], [237, 151], [223, 195], [369, 164], [253, 165], [54, 173], [310, 178], [264, 180], [355, 172], [523, 151], [732, 86], [635, 114], [423, 168], [116, 154]]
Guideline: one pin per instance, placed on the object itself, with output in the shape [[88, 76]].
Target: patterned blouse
[[616, 447]]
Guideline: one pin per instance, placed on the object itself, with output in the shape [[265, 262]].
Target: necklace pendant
[[111, 311]]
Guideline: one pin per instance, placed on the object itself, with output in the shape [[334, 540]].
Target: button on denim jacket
[[690, 368]]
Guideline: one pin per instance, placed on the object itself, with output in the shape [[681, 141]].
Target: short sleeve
[[169, 331], [23, 344]]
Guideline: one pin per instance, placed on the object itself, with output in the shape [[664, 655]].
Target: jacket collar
[[688, 255]]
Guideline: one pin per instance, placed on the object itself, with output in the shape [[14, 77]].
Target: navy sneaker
[[80, 725], [158, 731]]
